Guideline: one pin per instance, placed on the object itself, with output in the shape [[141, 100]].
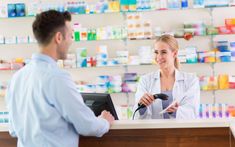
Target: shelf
[[124, 39], [127, 12], [220, 91], [126, 65]]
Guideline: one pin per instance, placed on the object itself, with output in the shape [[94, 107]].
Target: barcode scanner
[[161, 96]]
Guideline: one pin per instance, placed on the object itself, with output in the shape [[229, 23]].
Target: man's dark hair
[[48, 23]]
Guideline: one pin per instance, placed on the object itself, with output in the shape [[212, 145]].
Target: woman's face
[[164, 56]]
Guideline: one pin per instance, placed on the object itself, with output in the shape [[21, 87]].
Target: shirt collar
[[44, 58], [178, 75]]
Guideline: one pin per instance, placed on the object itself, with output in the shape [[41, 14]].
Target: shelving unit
[[173, 19]]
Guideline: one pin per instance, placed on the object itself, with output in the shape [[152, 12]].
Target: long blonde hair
[[173, 44]]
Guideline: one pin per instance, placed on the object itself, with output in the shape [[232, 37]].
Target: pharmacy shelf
[[129, 12], [221, 99], [129, 65], [206, 97], [125, 39], [147, 65], [173, 19]]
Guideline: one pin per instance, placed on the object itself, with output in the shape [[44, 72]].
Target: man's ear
[[58, 37]]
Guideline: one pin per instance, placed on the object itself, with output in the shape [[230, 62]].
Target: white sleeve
[[189, 106], [141, 90]]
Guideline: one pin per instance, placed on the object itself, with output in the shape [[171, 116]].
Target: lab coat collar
[[178, 75]]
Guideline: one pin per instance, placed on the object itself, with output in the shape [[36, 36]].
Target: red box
[[224, 30]]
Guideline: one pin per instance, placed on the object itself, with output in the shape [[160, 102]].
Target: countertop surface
[[161, 123]]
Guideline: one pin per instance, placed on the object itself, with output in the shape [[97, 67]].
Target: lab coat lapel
[[156, 87], [178, 87]]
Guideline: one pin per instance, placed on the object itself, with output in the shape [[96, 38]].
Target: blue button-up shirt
[[45, 108]]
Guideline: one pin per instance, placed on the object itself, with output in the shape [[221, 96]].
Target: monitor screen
[[99, 102]]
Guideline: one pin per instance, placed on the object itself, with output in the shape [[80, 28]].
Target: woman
[[182, 88]]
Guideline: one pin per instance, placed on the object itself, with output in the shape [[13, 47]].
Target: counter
[[171, 123], [156, 133], [166, 133]]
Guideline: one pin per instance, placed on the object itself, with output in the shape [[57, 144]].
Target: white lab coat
[[186, 90]]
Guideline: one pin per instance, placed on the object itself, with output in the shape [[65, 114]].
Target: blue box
[[11, 8], [20, 9]]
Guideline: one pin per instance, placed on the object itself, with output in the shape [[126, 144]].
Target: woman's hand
[[146, 99], [173, 108]]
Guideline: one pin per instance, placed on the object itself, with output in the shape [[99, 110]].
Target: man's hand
[[108, 116]]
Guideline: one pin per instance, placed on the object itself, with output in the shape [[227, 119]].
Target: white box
[[3, 11], [10, 40], [2, 39], [22, 39]]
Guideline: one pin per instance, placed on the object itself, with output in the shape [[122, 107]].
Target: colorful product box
[[214, 111], [129, 87], [230, 22], [208, 83], [11, 8], [223, 56], [191, 54], [91, 61], [3, 11], [20, 9], [224, 30], [81, 54], [4, 117], [223, 81], [206, 56], [231, 82]]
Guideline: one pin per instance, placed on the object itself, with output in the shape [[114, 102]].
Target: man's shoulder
[[59, 73]]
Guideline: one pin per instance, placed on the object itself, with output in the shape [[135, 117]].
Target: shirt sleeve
[[62, 93]]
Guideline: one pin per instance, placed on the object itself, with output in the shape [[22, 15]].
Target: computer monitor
[[99, 102]]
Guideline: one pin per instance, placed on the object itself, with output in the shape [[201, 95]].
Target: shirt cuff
[[104, 127]]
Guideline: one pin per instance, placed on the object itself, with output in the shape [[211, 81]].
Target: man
[[45, 108]]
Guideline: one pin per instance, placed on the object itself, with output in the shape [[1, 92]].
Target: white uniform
[[186, 91]]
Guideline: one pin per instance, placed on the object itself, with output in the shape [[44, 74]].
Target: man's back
[[44, 101]]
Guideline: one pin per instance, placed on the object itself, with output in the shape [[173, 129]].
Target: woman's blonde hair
[[173, 44]]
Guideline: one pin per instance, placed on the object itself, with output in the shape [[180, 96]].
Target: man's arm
[[69, 103]]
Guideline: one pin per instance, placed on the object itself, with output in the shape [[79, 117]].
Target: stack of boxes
[[223, 53], [222, 81], [81, 54], [129, 82], [102, 55], [138, 28]]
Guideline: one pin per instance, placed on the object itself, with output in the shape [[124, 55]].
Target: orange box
[[223, 81], [230, 22]]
